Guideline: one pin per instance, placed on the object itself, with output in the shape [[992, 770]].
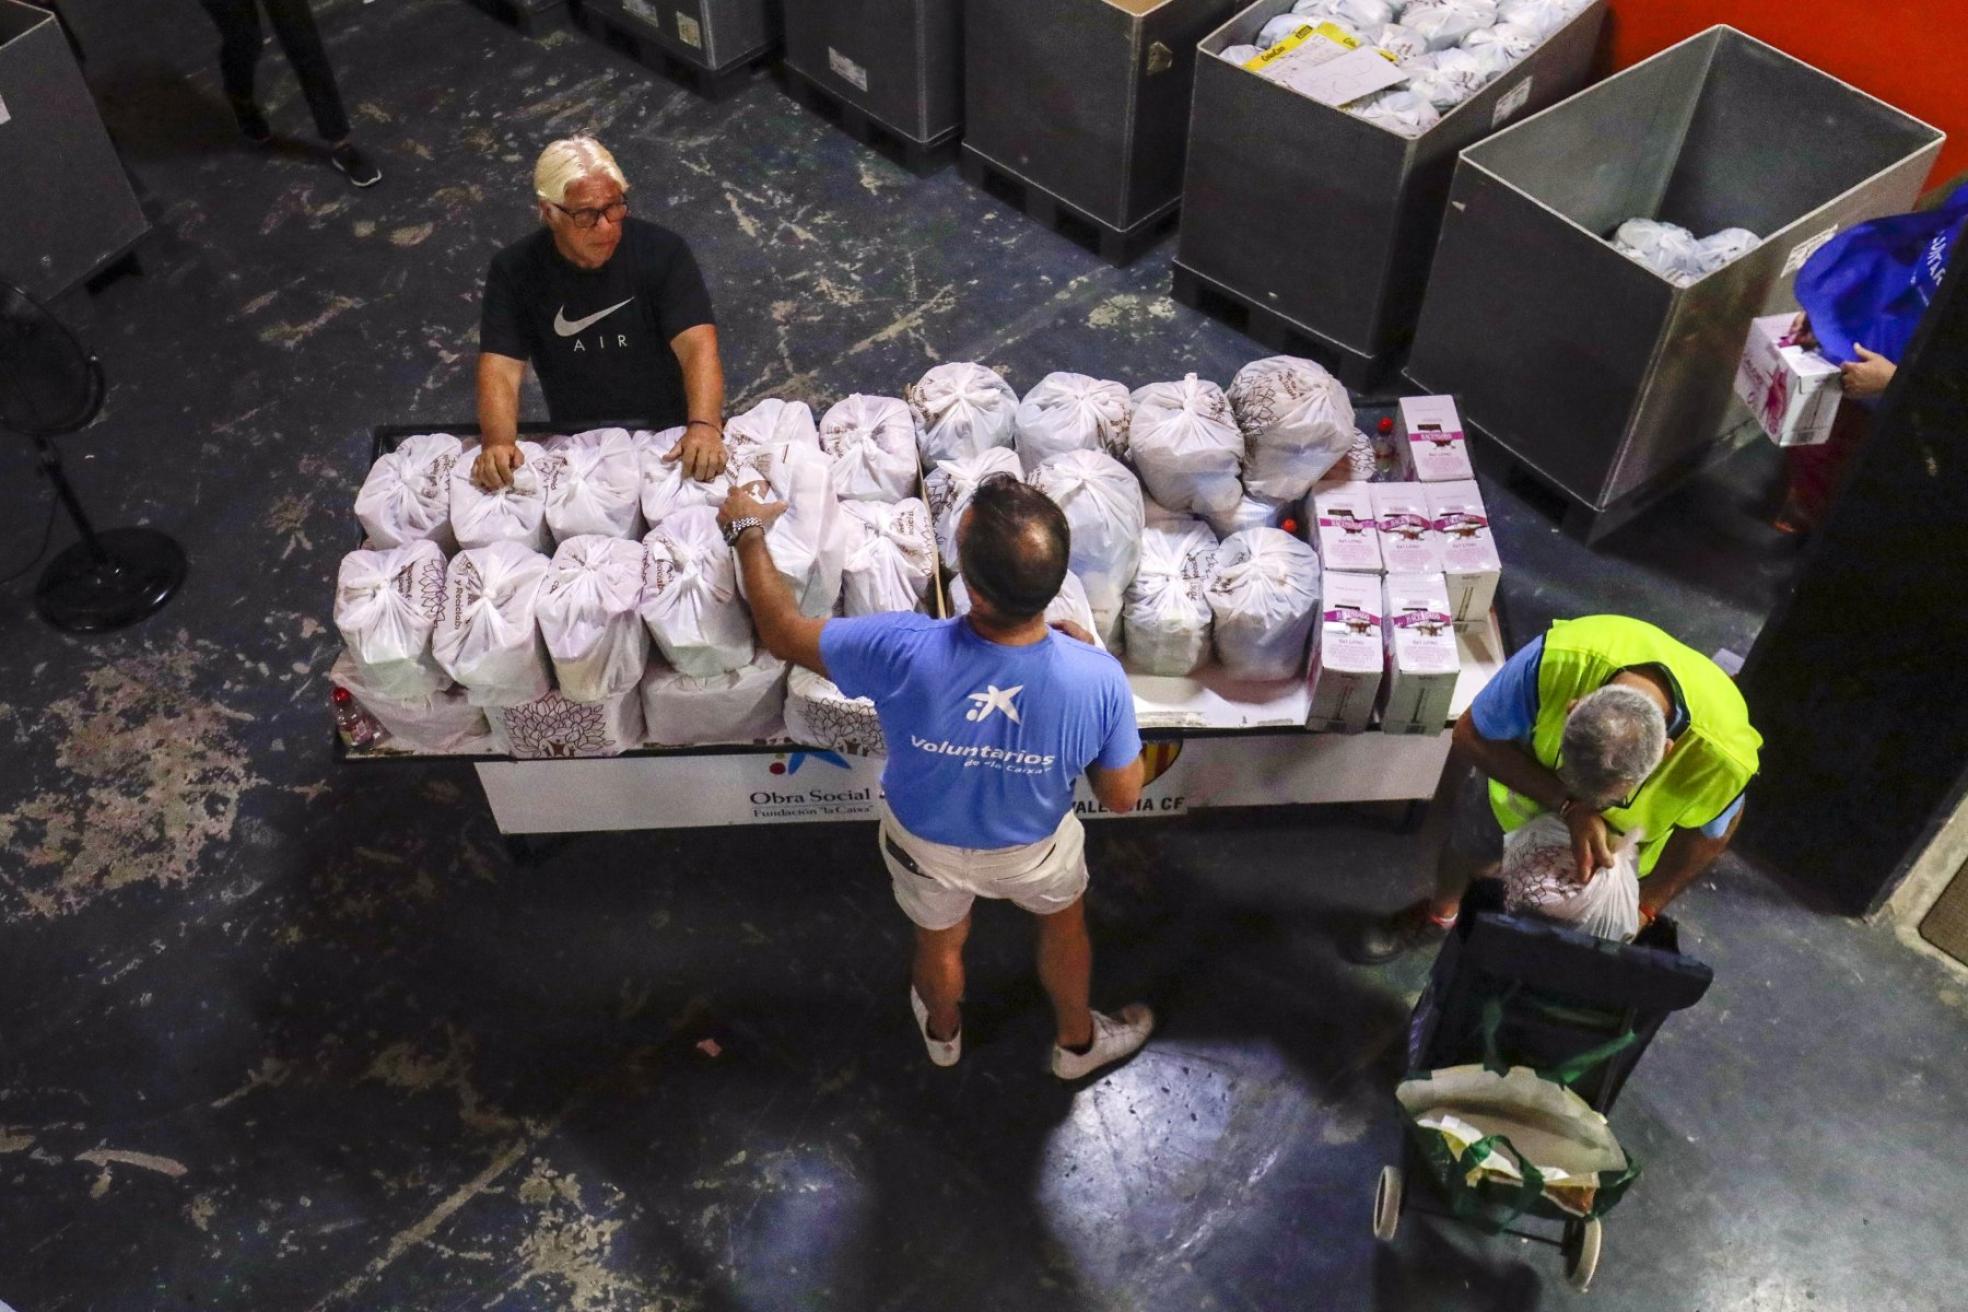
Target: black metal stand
[[108, 580]]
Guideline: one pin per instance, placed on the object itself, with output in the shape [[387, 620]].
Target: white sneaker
[[943, 1052], [1114, 1037]]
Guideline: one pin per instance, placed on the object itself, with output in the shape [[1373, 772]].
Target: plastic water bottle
[[358, 728]]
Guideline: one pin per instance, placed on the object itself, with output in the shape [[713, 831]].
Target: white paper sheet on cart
[[1333, 75]]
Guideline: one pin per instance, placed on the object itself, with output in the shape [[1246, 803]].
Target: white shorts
[[935, 883]]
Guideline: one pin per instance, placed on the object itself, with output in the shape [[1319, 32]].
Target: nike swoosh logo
[[566, 329]]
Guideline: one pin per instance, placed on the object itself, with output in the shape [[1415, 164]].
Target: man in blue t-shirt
[[989, 720]]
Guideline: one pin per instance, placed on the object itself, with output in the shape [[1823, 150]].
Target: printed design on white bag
[[470, 589], [555, 727], [1197, 566], [845, 727], [992, 699], [421, 583], [1263, 399]]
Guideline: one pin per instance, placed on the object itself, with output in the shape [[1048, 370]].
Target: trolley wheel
[[1582, 1255], [1387, 1204]]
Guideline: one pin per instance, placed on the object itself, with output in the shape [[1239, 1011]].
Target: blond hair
[[567, 161]]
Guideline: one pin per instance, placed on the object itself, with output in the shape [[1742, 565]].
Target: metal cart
[[1563, 994]]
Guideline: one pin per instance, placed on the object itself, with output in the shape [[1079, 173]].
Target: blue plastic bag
[[1871, 283]]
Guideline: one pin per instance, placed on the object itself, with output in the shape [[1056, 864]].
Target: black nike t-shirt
[[598, 338]]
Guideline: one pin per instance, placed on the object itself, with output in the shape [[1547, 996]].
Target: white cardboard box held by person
[[1408, 541], [1347, 653], [1470, 564], [1793, 392], [1422, 664], [1348, 532], [1432, 435]]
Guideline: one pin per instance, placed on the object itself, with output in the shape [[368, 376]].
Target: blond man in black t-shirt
[[610, 311]]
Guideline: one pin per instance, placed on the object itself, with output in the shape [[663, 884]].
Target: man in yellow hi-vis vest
[[1615, 726]]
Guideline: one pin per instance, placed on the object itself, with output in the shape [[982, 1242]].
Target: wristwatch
[[736, 528]]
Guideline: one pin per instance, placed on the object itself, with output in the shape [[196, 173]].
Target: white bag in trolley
[[741, 706], [443, 722], [948, 488], [387, 605], [1538, 878], [1184, 440], [488, 637], [516, 512], [1069, 607], [819, 714], [407, 494], [1264, 592], [1072, 412], [893, 561], [1105, 515], [809, 542], [1297, 423], [690, 596], [555, 727], [594, 485], [772, 424], [1167, 619], [872, 442], [589, 619], [962, 410]]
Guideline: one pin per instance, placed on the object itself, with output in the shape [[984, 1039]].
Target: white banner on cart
[[803, 786]]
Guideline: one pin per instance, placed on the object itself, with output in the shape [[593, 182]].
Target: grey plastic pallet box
[[714, 35], [900, 62], [1323, 218], [1597, 373], [1086, 99]]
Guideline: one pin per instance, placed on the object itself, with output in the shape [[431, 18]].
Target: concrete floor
[[278, 1035]]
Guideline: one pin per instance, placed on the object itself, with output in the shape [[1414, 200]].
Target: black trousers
[[241, 38]]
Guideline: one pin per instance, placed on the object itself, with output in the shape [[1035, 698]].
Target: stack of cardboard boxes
[[1405, 565]]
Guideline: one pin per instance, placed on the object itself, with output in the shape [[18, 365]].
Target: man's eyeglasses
[[589, 218]]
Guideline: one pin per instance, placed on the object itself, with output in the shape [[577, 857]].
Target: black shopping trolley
[[1530, 993]]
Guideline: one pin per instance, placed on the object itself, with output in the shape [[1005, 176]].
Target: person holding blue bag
[[1864, 293]]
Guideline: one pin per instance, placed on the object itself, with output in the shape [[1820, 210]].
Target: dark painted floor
[[275, 1035]]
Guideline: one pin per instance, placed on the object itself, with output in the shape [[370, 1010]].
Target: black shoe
[[252, 123], [1383, 940], [361, 170]]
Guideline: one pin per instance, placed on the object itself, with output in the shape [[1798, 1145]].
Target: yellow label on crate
[[1336, 35]]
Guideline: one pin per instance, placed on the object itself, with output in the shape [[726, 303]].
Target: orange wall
[[1909, 53]]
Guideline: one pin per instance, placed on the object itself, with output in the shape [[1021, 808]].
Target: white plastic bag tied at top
[[745, 705], [893, 560], [1449, 77], [1355, 14], [1186, 444], [1250, 512], [809, 542], [1513, 41], [387, 604], [962, 410], [1105, 515], [1404, 43], [1264, 595], [690, 599], [588, 616], [406, 496], [1677, 254], [1071, 412], [594, 485], [1538, 878], [667, 486], [1445, 23], [1068, 607], [1167, 619], [872, 443], [1296, 420], [948, 488], [1400, 111], [488, 638], [771, 425], [1543, 17], [516, 512]]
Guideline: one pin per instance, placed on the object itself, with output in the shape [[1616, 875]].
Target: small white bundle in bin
[[1071, 412], [1263, 592], [1791, 389], [1676, 254], [594, 485], [892, 563], [387, 604], [1167, 619], [406, 496], [488, 637], [1297, 422], [1185, 443], [690, 598], [588, 616], [515, 512], [872, 442], [962, 410]]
